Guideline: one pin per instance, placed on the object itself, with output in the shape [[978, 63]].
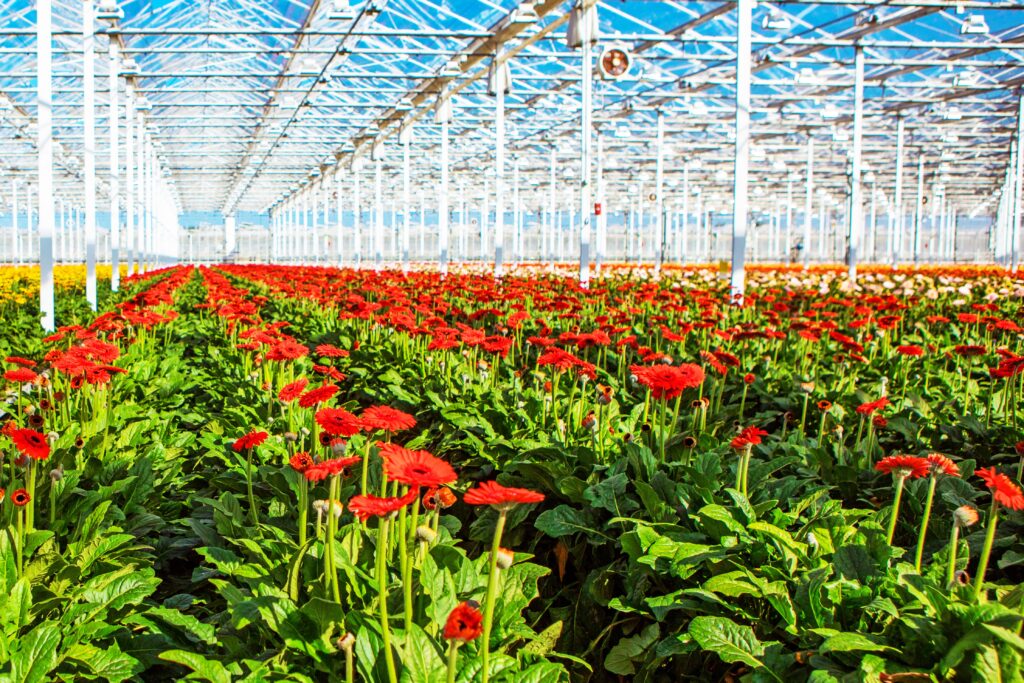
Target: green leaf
[[545, 642], [421, 661], [562, 521], [205, 669], [610, 495], [732, 642], [109, 665], [852, 642], [623, 656], [36, 654]]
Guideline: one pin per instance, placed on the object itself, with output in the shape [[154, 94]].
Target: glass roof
[[247, 101]]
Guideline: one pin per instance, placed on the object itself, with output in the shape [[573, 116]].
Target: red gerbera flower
[[910, 350], [904, 466], [250, 440], [20, 375], [941, 463], [292, 391], [415, 468], [336, 466], [20, 498], [365, 507], [18, 360], [668, 381], [330, 351], [318, 395], [386, 419], [441, 497], [338, 421], [1004, 491], [748, 436], [31, 443], [464, 624], [493, 493], [871, 406], [300, 462]]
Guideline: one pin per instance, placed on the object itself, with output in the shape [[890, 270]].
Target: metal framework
[[304, 110]]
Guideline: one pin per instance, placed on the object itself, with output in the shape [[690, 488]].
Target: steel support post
[[44, 120], [89, 153], [744, 12], [855, 216]]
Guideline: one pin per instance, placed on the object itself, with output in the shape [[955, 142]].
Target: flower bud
[[505, 558], [57, 474], [965, 516], [52, 437], [338, 447], [291, 436], [425, 534], [347, 642]]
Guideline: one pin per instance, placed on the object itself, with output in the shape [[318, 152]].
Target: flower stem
[[986, 550], [382, 598], [453, 656], [954, 539], [895, 508], [924, 523], [492, 594], [253, 513]]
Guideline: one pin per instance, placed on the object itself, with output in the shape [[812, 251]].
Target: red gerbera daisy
[[365, 507], [940, 463], [18, 360], [337, 466], [464, 624], [300, 462], [292, 391], [31, 443], [330, 351], [20, 498], [668, 381], [910, 350], [250, 440], [386, 419], [415, 468], [318, 395], [338, 421], [493, 493], [441, 497], [904, 466], [20, 375], [871, 406], [749, 436], [1004, 491]]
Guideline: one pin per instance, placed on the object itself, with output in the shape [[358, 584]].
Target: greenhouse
[[497, 341]]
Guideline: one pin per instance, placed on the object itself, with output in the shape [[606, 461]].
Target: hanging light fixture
[[622, 131], [776, 21], [525, 13], [107, 10], [499, 76], [443, 109], [341, 10], [581, 22], [615, 62], [974, 24]]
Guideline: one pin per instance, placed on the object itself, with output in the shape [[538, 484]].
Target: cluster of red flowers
[[668, 381]]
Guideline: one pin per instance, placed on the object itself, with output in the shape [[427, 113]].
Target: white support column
[[517, 215], [16, 236], [442, 205], [808, 202], [406, 192], [896, 230], [742, 153], [587, 23], [855, 217], [44, 95], [142, 198], [659, 191], [499, 174], [789, 221], [602, 201], [357, 213], [378, 211], [919, 211], [873, 223], [684, 225], [129, 185], [339, 208], [89, 153], [1018, 184], [115, 209], [552, 210]]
